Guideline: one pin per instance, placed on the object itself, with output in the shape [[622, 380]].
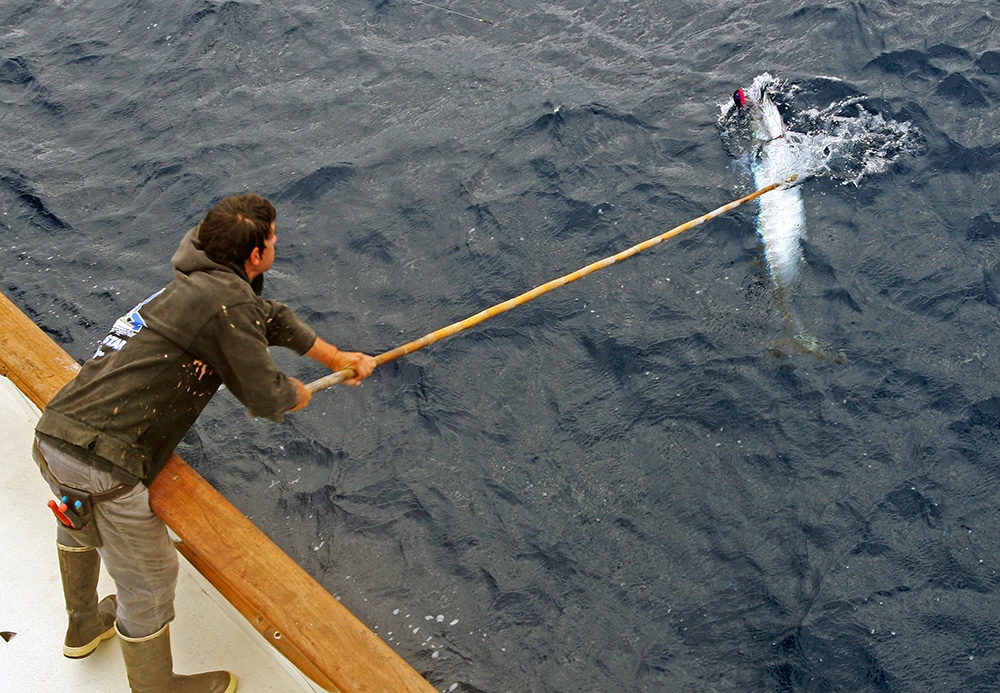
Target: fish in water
[[781, 216], [845, 141]]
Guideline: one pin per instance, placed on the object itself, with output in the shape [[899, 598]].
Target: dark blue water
[[635, 483]]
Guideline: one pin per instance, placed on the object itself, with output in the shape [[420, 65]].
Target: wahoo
[[781, 216], [844, 141]]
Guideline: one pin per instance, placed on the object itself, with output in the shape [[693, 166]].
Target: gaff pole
[[428, 339]]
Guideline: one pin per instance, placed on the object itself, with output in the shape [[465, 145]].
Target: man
[[106, 435]]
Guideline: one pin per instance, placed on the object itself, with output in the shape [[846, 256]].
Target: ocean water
[[637, 482]]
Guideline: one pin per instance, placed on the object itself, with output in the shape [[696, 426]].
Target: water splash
[[846, 140]]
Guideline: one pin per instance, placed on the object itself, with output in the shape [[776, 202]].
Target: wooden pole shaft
[[454, 328]]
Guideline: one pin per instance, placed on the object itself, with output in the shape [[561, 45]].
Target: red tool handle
[[59, 510]]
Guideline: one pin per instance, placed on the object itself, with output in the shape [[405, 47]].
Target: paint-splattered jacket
[[162, 362]]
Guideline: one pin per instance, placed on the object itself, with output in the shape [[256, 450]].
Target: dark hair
[[235, 226]]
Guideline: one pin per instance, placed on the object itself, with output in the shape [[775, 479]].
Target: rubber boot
[[90, 622], [150, 668]]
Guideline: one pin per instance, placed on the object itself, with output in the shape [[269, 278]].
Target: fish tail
[[799, 339]]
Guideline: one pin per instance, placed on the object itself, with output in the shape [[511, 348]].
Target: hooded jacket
[[162, 362]]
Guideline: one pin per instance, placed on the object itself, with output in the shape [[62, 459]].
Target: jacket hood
[[191, 257]]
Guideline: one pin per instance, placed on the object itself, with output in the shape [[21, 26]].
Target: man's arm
[[336, 360]]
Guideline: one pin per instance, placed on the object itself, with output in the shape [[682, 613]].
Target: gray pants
[[137, 551]]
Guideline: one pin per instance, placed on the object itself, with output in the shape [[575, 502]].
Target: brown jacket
[[162, 362]]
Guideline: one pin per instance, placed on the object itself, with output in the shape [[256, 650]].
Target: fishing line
[[454, 328], [451, 11], [527, 34]]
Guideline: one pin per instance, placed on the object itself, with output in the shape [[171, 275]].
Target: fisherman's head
[[237, 226]]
